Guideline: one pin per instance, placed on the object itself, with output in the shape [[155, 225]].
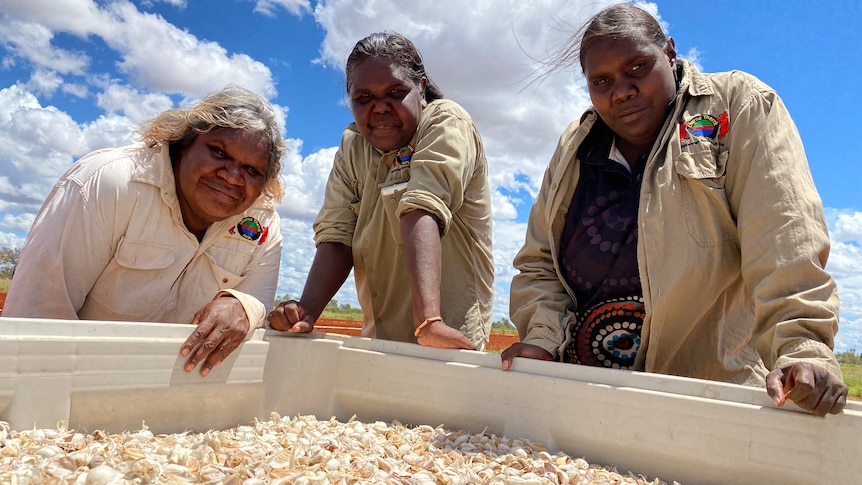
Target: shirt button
[[224, 280]]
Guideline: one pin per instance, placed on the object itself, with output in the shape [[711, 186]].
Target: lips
[[630, 112], [223, 193]]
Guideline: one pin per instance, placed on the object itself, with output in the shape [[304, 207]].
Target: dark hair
[[623, 20], [400, 50]]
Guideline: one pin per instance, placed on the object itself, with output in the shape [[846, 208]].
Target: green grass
[[853, 378], [503, 326], [343, 314], [4, 284]]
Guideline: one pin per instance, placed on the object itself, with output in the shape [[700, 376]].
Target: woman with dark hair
[[677, 229], [181, 228], [407, 208]]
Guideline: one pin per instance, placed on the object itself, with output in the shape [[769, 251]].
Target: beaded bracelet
[[425, 323]]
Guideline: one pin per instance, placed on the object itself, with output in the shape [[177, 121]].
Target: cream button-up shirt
[[109, 244]]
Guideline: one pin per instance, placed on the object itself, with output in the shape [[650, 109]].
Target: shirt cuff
[[254, 309]]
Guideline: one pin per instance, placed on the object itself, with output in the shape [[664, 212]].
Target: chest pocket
[[229, 265], [390, 196], [701, 167]]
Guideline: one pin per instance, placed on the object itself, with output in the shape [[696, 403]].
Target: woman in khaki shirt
[[407, 208], [677, 229]]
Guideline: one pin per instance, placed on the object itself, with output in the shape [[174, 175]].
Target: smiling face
[[218, 175], [386, 103], [631, 84]]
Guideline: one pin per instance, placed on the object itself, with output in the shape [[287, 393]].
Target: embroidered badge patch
[[249, 228], [404, 155], [706, 126]]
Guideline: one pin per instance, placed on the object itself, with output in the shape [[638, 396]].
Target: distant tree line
[[8, 261], [849, 357]]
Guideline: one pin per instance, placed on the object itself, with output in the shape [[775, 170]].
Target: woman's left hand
[[222, 325], [810, 386], [438, 334]]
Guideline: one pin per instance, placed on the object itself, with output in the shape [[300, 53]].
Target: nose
[[380, 105], [624, 91], [232, 172]]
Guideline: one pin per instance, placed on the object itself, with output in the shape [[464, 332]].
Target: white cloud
[[268, 7], [304, 181], [182, 57], [32, 41], [848, 227], [8, 240], [19, 223], [133, 104], [44, 82], [39, 143], [156, 55]]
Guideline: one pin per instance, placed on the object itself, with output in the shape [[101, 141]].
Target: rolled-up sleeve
[[443, 164]]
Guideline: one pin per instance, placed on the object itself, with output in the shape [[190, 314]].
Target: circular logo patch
[[249, 228]]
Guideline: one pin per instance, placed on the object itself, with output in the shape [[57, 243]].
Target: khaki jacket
[[732, 240], [109, 244], [368, 191]]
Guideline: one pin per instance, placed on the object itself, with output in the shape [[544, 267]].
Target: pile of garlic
[[302, 450]]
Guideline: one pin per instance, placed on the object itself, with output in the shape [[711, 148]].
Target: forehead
[[243, 145], [378, 72], [605, 52]]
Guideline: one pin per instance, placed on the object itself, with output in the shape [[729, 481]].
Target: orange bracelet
[[425, 323]]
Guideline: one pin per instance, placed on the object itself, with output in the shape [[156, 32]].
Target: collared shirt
[[444, 172], [732, 240], [110, 244]]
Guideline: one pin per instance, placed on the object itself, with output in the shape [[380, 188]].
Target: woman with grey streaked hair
[[181, 228]]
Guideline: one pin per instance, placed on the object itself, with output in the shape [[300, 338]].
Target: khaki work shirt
[[109, 244], [447, 176], [732, 240]]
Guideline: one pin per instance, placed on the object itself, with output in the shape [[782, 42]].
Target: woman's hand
[[438, 334], [808, 385], [291, 317], [222, 325], [524, 350]]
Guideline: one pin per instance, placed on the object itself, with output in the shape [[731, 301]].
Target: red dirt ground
[[498, 342]]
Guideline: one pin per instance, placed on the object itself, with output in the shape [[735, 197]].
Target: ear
[[670, 50], [422, 84]]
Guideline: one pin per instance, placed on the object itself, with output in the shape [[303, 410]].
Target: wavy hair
[[232, 107]]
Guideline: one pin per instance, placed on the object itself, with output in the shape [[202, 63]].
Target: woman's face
[[631, 83], [386, 103], [220, 174]]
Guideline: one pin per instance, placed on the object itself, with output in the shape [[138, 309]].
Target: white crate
[[115, 376]]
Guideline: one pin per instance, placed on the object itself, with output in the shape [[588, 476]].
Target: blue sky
[[79, 75]]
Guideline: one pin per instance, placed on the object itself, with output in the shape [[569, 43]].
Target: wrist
[[425, 323]]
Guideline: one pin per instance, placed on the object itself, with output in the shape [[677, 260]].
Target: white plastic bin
[[115, 376]]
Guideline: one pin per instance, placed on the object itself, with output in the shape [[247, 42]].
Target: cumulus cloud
[[137, 106], [28, 27], [269, 7], [848, 227]]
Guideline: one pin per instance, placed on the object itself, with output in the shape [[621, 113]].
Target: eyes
[[637, 69], [396, 94], [219, 154]]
